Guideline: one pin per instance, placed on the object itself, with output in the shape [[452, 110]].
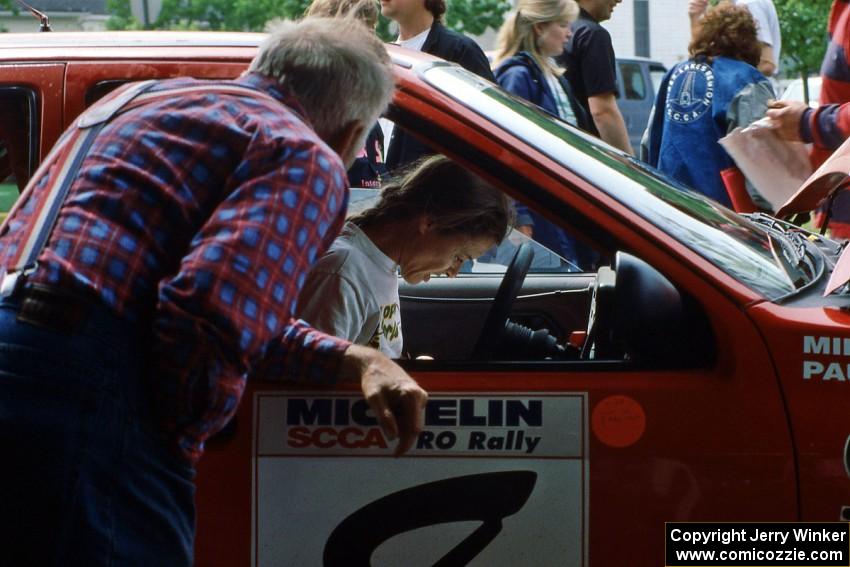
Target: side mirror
[[648, 316]]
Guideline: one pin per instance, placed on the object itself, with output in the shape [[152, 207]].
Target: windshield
[[737, 246]]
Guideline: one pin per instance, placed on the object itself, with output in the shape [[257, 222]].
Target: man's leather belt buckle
[[53, 309]]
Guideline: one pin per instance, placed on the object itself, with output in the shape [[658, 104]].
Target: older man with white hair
[[185, 216]]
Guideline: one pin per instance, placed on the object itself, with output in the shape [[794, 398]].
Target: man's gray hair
[[336, 68]]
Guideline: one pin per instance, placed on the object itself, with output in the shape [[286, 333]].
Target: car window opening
[[18, 142], [558, 308]]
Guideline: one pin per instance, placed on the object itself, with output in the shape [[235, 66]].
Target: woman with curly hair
[[702, 99]]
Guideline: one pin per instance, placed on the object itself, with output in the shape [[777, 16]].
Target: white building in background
[[658, 29]]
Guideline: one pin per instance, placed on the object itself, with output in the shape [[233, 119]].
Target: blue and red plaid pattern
[[199, 216]]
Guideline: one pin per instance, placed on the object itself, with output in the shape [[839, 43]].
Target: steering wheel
[[497, 317]]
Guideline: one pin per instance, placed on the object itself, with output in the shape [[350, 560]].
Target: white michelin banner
[[494, 480]]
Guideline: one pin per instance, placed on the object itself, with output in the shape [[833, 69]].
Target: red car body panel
[[815, 404]]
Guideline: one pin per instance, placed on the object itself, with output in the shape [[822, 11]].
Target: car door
[[521, 462]]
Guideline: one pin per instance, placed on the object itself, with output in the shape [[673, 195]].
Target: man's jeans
[[84, 478]]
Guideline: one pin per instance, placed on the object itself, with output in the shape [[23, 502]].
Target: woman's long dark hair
[[456, 200]]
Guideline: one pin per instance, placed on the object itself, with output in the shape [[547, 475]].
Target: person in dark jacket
[[420, 28], [521, 75], [528, 40], [524, 66]]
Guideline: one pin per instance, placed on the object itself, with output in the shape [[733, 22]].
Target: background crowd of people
[[557, 55]]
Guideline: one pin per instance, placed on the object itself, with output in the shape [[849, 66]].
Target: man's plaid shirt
[[199, 216]]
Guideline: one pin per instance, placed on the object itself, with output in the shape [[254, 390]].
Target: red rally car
[[698, 373]]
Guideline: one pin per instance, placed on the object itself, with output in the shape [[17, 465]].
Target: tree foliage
[[13, 7], [233, 15], [474, 17], [467, 16], [804, 38], [121, 16]]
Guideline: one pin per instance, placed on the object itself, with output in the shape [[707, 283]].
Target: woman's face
[[432, 253], [551, 37]]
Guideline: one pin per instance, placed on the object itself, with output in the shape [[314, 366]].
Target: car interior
[[523, 304]]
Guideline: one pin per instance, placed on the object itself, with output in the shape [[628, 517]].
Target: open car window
[[18, 142], [554, 313], [555, 250]]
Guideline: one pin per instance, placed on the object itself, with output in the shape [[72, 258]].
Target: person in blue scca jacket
[[700, 100], [528, 40]]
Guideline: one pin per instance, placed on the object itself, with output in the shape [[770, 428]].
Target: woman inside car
[[428, 221]]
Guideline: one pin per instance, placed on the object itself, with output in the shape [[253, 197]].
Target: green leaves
[[467, 16], [473, 17], [236, 15], [120, 16], [804, 37]]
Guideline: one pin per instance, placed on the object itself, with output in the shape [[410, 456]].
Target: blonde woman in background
[[528, 40], [367, 11]]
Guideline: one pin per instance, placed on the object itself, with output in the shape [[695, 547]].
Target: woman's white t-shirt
[[352, 292]]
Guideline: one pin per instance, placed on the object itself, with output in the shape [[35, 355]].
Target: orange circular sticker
[[618, 421]]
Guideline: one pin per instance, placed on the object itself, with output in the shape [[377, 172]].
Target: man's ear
[[347, 141]]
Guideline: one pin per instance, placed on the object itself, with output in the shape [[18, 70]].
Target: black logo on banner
[[488, 498]]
